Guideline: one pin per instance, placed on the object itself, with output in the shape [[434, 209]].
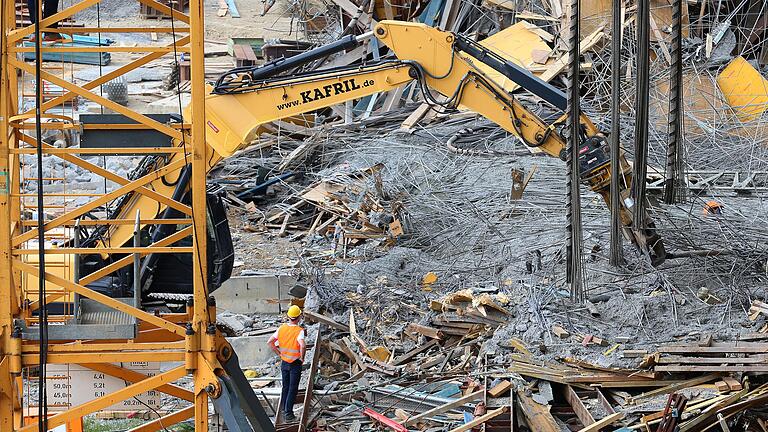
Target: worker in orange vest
[[712, 208], [288, 342]]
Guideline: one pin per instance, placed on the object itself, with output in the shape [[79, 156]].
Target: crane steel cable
[[42, 396]]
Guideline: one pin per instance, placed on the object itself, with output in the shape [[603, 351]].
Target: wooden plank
[[353, 10], [733, 384], [722, 386], [305, 412], [717, 348], [347, 58], [480, 420], [557, 330], [607, 421], [317, 317], [414, 352], [559, 66], [393, 99], [660, 40], [711, 360], [445, 407], [429, 332], [678, 385], [537, 416], [713, 368], [499, 389], [250, 55], [695, 423], [604, 402], [416, 116], [238, 51], [581, 411], [223, 8]]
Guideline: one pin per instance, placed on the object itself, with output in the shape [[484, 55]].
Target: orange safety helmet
[[712, 208]]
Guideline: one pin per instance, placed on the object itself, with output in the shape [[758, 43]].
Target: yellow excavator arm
[[244, 100]]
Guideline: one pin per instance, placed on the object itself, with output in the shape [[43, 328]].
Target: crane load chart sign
[[69, 385]]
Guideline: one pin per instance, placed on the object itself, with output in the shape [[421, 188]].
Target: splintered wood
[[719, 357], [342, 206]]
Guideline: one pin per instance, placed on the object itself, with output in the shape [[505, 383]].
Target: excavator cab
[[165, 277], [162, 277]]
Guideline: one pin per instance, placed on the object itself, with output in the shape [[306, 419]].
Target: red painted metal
[[384, 420]]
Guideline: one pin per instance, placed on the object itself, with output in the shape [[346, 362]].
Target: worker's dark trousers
[[50, 7], [291, 376]]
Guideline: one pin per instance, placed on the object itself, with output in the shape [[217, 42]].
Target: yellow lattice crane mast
[[188, 341]]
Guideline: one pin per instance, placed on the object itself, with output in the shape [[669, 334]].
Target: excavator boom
[[444, 62]]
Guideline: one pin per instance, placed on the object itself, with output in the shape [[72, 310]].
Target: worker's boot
[[290, 417]]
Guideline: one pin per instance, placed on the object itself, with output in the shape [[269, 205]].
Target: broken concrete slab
[[235, 321], [252, 350], [255, 294]]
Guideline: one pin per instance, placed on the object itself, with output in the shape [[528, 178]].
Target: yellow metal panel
[[744, 89], [107, 357], [516, 43], [78, 347]]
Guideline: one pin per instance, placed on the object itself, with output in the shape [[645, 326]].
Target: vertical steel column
[[200, 276], [641, 108], [137, 263], [76, 271], [674, 183], [617, 177], [575, 270], [7, 309]]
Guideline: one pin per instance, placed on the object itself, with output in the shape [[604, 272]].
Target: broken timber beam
[[429, 332], [405, 358], [607, 421], [677, 386], [537, 416], [317, 317], [581, 411], [480, 420], [445, 407]]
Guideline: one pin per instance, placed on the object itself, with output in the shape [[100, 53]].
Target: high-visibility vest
[[287, 339]]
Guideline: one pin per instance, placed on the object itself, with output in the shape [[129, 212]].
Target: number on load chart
[[71, 385]]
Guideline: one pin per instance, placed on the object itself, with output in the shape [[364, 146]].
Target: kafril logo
[[326, 91]]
